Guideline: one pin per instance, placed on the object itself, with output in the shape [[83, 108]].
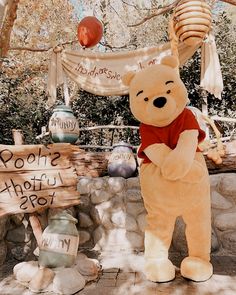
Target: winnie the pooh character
[[173, 174]]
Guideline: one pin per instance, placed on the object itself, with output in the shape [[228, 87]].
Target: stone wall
[[111, 218]]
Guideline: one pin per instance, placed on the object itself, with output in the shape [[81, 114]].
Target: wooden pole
[[18, 138]]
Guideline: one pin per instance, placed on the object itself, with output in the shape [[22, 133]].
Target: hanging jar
[[60, 241], [122, 162], [192, 21], [63, 126]]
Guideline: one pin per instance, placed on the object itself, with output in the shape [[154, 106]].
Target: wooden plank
[[35, 177], [34, 157], [17, 182], [29, 202]]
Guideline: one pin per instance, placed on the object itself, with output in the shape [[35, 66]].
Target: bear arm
[[187, 145], [180, 160], [157, 153]]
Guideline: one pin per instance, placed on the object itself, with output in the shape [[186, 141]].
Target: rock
[[228, 185], [133, 182], [134, 208], [214, 241], [99, 196], [226, 221], [3, 252], [19, 234], [84, 185], [22, 251], [3, 226], [68, 281], [122, 220], [95, 215], [133, 195], [84, 204], [17, 218], [119, 218], [86, 266], [98, 234], [106, 220], [84, 237], [103, 208], [25, 271], [41, 280], [84, 220], [142, 221], [219, 202], [117, 202], [98, 183], [116, 184], [229, 242], [215, 180], [130, 223], [136, 241]]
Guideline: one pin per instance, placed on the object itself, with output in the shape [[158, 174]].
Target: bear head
[[157, 94]]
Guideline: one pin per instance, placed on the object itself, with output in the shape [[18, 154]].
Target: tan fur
[[175, 183]]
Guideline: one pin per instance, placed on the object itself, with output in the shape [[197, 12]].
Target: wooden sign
[[34, 177]]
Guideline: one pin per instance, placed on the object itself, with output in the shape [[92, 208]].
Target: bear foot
[[159, 270], [196, 269]]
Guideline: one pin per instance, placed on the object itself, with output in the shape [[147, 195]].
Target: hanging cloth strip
[[100, 73], [211, 76]]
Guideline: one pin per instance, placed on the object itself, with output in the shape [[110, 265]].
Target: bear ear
[[127, 78], [170, 61]]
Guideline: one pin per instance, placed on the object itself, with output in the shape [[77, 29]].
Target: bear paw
[[196, 269], [159, 270], [195, 174]]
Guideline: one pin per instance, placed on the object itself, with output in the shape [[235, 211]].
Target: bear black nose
[[159, 102]]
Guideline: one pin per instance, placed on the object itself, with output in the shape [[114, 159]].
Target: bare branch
[[41, 49], [166, 9], [233, 2], [159, 11], [108, 127]]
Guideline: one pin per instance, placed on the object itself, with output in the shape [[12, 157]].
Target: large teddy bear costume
[[173, 175]]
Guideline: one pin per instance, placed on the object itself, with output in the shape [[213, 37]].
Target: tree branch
[[159, 11], [7, 26], [41, 49], [167, 8], [233, 2]]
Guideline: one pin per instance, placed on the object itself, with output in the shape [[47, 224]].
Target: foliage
[[23, 99]]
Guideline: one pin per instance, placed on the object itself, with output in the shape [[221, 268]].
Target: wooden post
[[18, 138], [205, 110]]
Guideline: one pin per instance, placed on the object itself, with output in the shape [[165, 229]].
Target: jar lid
[[122, 143], [63, 216], [63, 108]]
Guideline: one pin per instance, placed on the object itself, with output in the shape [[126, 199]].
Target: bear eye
[[168, 91], [141, 91], [146, 99]]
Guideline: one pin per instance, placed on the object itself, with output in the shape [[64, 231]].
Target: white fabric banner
[[101, 73]]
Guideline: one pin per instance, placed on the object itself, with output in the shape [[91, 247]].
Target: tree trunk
[[3, 5], [7, 25]]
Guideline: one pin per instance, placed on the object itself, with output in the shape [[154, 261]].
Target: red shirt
[[168, 135]]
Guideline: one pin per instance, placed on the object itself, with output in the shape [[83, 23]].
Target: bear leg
[[158, 268], [197, 266]]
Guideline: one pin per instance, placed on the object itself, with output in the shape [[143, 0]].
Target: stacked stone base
[[115, 215], [111, 219]]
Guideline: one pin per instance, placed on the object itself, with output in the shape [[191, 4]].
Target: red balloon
[[90, 31]]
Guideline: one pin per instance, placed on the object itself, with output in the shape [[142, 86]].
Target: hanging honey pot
[[122, 162], [192, 21], [63, 126], [60, 241]]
